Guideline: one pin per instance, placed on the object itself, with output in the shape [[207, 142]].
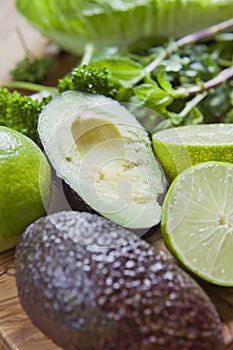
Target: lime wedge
[[181, 147], [197, 221]]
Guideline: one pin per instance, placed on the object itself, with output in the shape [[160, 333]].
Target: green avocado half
[[104, 154]]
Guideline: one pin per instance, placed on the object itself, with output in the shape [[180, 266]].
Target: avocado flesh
[[103, 153], [90, 284]]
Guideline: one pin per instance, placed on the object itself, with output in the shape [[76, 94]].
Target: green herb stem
[[156, 62], [23, 43], [29, 86], [205, 33], [88, 52], [188, 39], [191, 104], [223, 76]]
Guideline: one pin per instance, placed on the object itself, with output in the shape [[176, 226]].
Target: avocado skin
[[74, 200], [108, 289]]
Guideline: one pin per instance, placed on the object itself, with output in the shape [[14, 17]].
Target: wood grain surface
[[16, 330]]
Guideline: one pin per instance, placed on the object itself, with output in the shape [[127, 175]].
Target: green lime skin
[[179, 148], [25, 180]]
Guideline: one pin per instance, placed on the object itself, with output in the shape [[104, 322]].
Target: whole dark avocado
[[90, 284]]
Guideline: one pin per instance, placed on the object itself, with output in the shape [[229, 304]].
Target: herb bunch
[[32, 69], [188, 81], [21, 112]]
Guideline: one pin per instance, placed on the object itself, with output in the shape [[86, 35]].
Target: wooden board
[[16, 330]]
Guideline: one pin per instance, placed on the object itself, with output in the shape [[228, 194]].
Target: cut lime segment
[[181, 147], [197, 221]]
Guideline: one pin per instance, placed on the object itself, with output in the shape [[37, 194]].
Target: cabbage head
[[74, 23]]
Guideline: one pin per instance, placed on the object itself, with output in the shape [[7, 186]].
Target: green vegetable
[[184, 82], [20, 112], [113, 77], [89, 79], [32, 69], [72, 24]]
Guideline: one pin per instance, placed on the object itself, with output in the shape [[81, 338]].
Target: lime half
[[181, 147], [197, 221]]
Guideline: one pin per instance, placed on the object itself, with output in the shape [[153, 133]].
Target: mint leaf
[[124, 71], [165, 84], [150, 91]]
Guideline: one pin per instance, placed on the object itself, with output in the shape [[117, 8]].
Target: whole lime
[[25, 180]]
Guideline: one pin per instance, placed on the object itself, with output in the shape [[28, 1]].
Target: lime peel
[[179, 148], [197, 221], [25, 180]]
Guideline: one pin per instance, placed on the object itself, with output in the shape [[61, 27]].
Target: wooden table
[[16, 330]]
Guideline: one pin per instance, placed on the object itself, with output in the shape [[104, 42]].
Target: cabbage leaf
[[74, 23]]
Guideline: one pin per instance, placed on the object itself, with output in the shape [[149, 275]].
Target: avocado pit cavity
[[102, 149]]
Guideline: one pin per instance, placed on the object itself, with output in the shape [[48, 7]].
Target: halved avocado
[[104, 154]]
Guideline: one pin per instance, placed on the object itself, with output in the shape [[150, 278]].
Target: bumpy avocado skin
[[75, 201], [90, 284]]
